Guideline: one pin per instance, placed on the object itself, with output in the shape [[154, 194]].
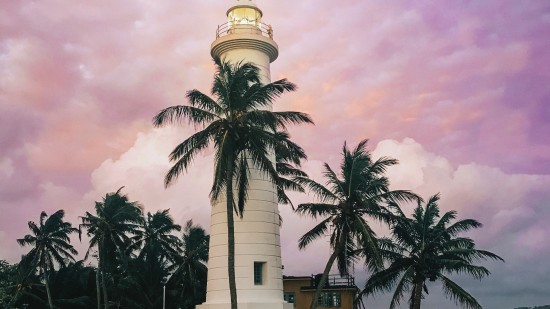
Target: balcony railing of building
[[333, 280], [251, 27]]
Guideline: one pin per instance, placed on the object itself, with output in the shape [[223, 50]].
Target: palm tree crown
[[360, 191], [51, 245], [426, 247], [155, 236], [237, 123]]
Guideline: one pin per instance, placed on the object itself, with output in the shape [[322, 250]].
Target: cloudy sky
[[458, 91]]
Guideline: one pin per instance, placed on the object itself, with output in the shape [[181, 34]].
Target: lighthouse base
[[247, 305]]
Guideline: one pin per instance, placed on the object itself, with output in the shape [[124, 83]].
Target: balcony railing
[[252, 28], [333, 280]]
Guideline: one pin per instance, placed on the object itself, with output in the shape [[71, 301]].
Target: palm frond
[[316, 232], [458, 294], [180, 113], [320, 191]]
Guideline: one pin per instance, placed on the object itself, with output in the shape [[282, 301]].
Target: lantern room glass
[[244, 16]]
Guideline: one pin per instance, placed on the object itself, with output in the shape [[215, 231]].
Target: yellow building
[[339, 291]]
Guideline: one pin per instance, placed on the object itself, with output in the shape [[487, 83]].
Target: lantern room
[[244, 12]]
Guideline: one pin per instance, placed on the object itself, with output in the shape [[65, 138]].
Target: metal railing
[[253, 28], [334, 280]]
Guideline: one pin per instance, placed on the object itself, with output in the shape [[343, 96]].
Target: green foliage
[[155, 237], [288, 157], [427, 247], [191, 273], [152, 252], [358, 192], [7, 282], [50, 244], [110, 229], [74, 286]]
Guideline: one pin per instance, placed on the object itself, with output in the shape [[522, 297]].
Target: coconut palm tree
[[156, 235], [361, 191], [426, 247], [51, 245], [191, 271], [115, 220], [239, 125]]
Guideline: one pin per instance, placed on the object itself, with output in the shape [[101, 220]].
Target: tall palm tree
[[426, 247], [51, 245], [116, 219], [156, 235], [236, 121], [191, 269], [359, 192]]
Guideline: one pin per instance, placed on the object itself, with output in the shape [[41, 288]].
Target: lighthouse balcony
[[245, 27]]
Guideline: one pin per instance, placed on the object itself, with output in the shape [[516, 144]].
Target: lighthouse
[[258, 268]]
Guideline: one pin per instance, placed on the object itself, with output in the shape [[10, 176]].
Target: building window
[[290, 297], [259, 268], [329, 299]]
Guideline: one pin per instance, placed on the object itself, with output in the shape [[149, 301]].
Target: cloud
[[80, 82]]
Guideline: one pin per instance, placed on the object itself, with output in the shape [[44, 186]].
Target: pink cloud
[[467, 81]]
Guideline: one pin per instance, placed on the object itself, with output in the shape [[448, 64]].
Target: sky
[[457, 91]]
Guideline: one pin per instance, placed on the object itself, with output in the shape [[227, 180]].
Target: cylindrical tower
[[258, 266]]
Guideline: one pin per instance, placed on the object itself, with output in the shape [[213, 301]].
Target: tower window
[[259, 269]]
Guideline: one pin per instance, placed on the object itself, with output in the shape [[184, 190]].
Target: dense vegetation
[[133, 257], [137, 255]]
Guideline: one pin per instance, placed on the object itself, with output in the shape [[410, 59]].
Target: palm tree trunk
[[324, 278], [231, 237], [97, 286], [104, 284], [46, 279], [101, 269], [417, 293]]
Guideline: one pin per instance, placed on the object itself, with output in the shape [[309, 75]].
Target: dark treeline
[[131, 257]]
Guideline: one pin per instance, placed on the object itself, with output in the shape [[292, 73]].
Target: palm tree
[[51, 245], [424, 248], [115, 219], [359, 192], [155, 235], [191, 269], [242, 131]]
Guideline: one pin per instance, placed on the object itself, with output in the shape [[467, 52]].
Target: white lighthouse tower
[[258, 268]]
